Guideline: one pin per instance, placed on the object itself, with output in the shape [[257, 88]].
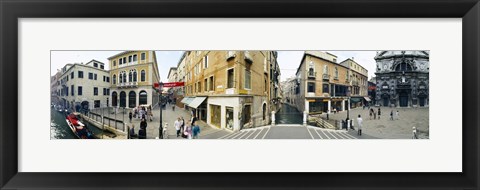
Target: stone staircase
[[319, 122]]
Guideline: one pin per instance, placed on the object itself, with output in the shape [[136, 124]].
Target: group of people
[[141, 112], [374, 113], [142, 133], [189, 130]]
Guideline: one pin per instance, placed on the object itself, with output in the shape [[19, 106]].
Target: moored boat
[[77, 127]]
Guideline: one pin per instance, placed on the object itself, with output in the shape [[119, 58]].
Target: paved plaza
[[385, 128]]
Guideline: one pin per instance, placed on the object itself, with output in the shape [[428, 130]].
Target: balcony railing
[[127, 84], [326, 77]]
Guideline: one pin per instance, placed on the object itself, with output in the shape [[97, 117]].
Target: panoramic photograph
[[254, 94]]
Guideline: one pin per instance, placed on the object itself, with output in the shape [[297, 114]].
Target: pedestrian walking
[[193, 120], [182, 128], [143, 124], [178, 125], [414, 131], [132, 132], [352, 125], [173, 108], [391, 115], [371, 113], [142, 133], [188, 131], [397, 116], [150, 114], [360, 125], [374, 115], [379, 113], [195, 130], [130, 116]]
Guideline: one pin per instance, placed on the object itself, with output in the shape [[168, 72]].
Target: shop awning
[[367, 98], [355, 100], [196, 102], [187, 100]]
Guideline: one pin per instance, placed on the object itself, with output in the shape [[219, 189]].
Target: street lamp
[[160, 135]]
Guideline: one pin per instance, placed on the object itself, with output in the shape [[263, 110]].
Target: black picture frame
[[11, 11]]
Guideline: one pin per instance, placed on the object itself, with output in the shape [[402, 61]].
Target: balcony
[[230, 55], [127, 85], [248, 57], [326, 77], [355, 83], [311, 74]]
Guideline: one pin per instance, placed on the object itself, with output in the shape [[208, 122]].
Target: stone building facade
[[358, 83], [133, 75], [402, 78], [322, 84], [84, 86], [231, 89]]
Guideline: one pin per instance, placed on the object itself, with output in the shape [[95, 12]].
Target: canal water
[[288, 115], [59, 128]]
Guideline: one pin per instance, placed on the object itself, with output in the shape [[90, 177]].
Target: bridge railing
[[108, 117]]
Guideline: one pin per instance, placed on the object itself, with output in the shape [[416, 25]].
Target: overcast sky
[[288, 60]]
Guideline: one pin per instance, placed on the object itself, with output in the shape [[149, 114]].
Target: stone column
[[305, 117], [273, 118], [343, 105], [329, 106]]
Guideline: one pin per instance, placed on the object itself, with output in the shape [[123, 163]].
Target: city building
[[402, 78], [321, 84], [55, 88], [288, 90], [172, 77], [84, 85], [231, 89], [180, 91], [133, 76], [358, 76]]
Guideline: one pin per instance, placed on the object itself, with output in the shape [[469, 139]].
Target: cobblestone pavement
[[385, 128], [169, 116]]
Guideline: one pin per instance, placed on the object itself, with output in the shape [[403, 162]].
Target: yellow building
[[359, 82], [322, 83], [133, 75], [229, 89]]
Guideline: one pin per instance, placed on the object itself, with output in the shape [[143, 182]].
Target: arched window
[[130, 76], [114, 79], [124, 77], [121, 78], [132, 99], [142, 77], [403, 67], [142, 98], [123, 99], [325, 69], [114, 99], [311, 72], [264, 111], [134, 75]]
